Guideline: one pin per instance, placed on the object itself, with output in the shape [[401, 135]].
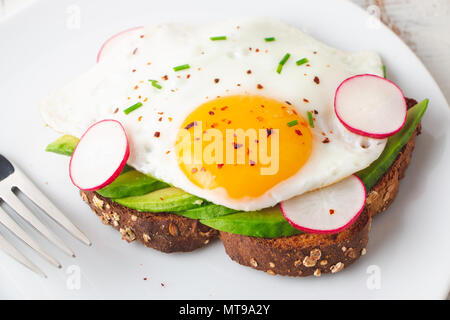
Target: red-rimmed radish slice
[[99, 156], [328, 210], [370, 106], [104, 47]]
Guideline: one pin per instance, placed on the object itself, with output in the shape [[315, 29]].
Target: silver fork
[[11, 178]]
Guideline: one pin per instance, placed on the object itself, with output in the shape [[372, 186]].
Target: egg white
[[111, 84]]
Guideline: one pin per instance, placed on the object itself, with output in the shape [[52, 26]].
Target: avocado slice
[[64, 145], [131, 183], [394, 145], [266, 223], [163, 200], [207, 211]]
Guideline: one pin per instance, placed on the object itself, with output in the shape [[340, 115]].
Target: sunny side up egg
[[238, 85]]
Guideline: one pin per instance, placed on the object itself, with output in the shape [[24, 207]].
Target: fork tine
[[10, 250], [9, 223], [26, 186], [11, 199]]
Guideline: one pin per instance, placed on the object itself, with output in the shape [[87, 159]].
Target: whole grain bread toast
[[299, 255]]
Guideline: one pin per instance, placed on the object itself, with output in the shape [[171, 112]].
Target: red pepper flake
[[249, 71], [250, 48], [168, 151], [145, 279], [146, 99], [202, 169], [149, 63], [161, 113], [140, 118], [238, 84], [323, 133], [269, 131], [160, 119], [257, 50], [256, 140], [307, 65], [161, 198], [188, 76], [262, 106], [215, 124], [331, 211], [259, 118], [135, 50], [166, 77], [211, 113], [216, 80], [315, 111], [190, 125], [220, 165], [142, 36], [298, 132], [314, 52], [316, 80], [326, 140], [224, 108], [194, 170], [157, 134], [305, 100], [259, 86], [252, 163], [288, 103], [136, 87], [117, 110], [134, 70], [237, 145]]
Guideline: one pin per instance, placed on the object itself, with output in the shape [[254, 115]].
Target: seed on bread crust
[[97, 202], [337, 267], [253, 262]]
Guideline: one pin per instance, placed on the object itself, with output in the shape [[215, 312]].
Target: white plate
[[41, 49]]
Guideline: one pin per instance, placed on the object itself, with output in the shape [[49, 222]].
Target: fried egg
[[258, 75]]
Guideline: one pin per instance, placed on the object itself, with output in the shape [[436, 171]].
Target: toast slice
[[313, 254]]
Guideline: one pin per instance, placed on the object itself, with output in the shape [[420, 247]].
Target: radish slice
[[370, 106], [99, 156], [328, 210], [103, 48]]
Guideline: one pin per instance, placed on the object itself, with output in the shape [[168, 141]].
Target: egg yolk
[[243, 144]]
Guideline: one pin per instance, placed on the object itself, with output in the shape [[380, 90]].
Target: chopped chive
[[155, 84], [384, 71], [270, 39], [282, 62], [292, 123], [132, 108], [218, 38], [310, 119], [301, 61], [182, 67]]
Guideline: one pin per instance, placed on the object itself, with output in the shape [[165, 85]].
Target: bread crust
[[314, 254], [166, 232]]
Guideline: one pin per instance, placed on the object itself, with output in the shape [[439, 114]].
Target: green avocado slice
[[64, 145], [394, 145], [163, 200], [266, 223], [131, 183], [207, 211]]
